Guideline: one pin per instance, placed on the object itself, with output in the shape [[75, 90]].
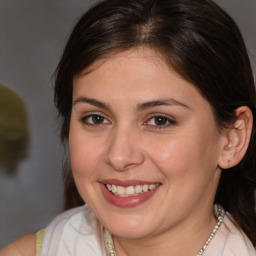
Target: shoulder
[[25, 245], [75, 230], [237, 242], [230, 240], [80, 219], [73, 216]]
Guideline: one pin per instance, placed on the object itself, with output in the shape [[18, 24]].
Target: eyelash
[[84, 120], [167, 121]]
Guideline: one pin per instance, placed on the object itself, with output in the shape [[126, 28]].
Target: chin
[[131, 234], [131, 229]]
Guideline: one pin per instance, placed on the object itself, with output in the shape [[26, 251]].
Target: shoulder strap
[[39, 241]]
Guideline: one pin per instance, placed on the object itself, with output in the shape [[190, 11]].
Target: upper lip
[[126, 183]]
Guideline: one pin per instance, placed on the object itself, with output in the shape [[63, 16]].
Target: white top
[[77, 232]]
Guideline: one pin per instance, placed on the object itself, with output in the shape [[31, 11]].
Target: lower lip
[[128, 201]]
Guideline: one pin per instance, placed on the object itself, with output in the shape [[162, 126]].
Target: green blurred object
[[14, 130]]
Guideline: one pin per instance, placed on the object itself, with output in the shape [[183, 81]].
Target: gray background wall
[[32, 36]]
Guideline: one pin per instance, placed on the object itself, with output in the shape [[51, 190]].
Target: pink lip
[[129, 201]]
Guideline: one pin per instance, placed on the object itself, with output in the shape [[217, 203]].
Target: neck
[[185, 238]]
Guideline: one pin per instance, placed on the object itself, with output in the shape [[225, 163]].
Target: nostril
[[124, 156]]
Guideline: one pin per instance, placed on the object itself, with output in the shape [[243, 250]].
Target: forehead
[[132, 70], [134, 53], [136, 75], [136, 65]]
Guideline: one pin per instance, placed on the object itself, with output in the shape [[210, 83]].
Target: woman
[[157, 103]]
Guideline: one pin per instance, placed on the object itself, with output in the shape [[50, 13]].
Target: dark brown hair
[[197, 39]]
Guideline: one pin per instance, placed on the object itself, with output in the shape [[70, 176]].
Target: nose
[[124, 151]]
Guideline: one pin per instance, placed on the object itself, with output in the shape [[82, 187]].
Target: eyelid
[[171, 121], [86, 116]]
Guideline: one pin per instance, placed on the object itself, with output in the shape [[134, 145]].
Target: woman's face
[[139, 129]]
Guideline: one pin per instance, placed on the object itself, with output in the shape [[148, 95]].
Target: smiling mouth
[[131, 190]]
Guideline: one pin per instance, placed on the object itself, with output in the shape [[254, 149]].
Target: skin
[[24, 246], [176, 143], [184, 158]]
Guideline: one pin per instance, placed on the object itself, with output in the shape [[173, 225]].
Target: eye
[[94, 119], [160, 121]]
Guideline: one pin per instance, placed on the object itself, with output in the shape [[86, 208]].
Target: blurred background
[[32, 36]]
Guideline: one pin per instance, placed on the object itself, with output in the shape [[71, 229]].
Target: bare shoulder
[[24, 246]]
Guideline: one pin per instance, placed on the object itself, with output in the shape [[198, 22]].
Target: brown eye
[[159, 121], [94, 120], [97, 119]]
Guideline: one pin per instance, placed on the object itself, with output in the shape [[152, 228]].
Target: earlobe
[[236, 139]]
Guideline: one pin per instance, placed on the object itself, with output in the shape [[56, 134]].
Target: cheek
[[184, 155], [173, 161], [84, 153], [84, 158]]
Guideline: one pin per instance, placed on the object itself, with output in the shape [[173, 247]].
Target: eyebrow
[[93, 102], [140, 106], [161, 102]]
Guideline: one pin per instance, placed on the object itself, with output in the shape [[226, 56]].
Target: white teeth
[[138, 189], [130, 190], [113, 189], [109, 187], [152, 186], [145, 188], [120, 190]]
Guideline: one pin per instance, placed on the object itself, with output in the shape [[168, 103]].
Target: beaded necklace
[[219, 213]]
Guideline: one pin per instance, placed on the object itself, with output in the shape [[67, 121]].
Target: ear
[[236, 138]]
